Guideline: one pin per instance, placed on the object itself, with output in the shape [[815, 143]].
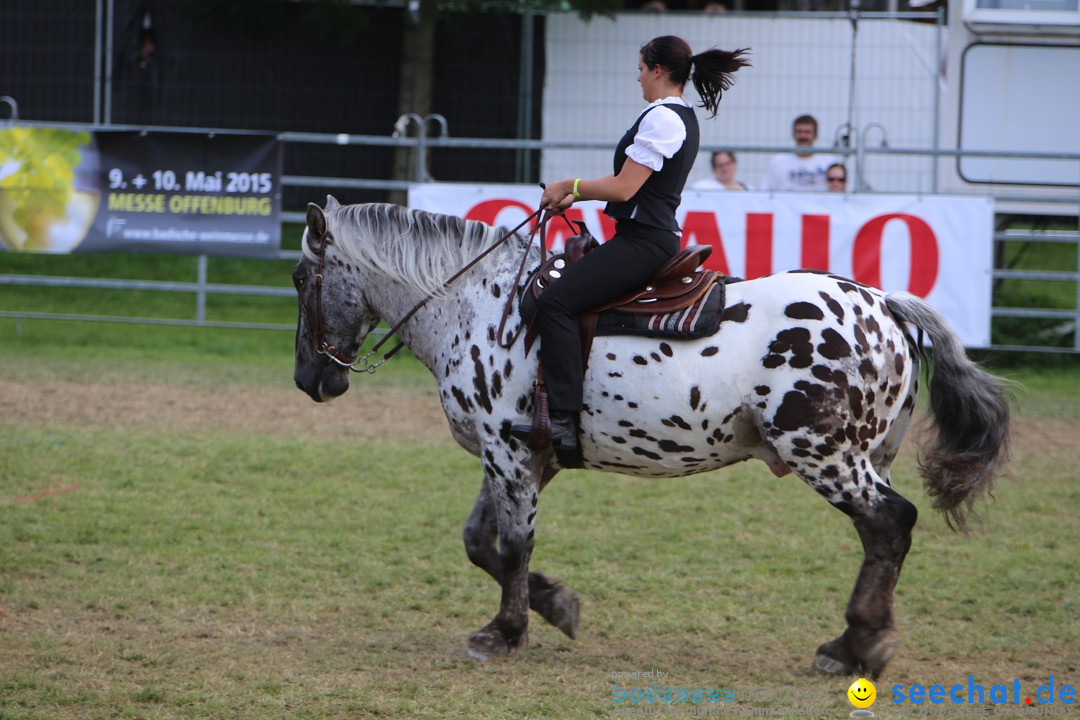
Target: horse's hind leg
[[552, 600], [884, 521]]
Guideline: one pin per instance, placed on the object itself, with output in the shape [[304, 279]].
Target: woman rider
[[652, 162]]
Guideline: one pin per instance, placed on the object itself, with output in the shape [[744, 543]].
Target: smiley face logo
[[862, 693]]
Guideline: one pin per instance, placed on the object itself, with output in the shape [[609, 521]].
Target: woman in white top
[[723, 178], [650, 168]]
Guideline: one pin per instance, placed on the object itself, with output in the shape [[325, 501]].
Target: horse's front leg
[[554, 602], [514, 486]]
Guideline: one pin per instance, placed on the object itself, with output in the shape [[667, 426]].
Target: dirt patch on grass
[[380, 413], [377, 414], [1036, 436]]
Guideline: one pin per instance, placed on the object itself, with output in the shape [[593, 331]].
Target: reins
[[324, 348]]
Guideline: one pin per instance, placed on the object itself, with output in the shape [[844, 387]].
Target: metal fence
[[1058, 321]]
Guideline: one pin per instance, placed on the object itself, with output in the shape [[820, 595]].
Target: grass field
[[185, 535]]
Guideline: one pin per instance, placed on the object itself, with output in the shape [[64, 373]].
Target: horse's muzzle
[[322, 381]]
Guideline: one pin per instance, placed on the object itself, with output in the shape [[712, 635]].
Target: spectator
[[836, 178], [803, 169], [723, 177]]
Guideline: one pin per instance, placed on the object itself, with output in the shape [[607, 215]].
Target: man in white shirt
[[802, 170]]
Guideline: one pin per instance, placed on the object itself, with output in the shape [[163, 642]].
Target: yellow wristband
[[575, 191]]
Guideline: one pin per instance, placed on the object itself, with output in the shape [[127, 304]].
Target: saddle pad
[[696, 321]]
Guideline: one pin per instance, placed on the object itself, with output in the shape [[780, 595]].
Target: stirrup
[[538, 435]]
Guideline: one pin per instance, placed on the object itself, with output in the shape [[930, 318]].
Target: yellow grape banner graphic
[[64, 190]]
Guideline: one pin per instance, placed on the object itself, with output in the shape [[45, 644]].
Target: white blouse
[[660, 135]]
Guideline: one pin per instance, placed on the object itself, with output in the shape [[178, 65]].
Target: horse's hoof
[[830, 666], [489, 643], [556, 603], [565, 611], [835, 658]]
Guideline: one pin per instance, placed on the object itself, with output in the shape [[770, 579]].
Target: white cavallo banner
[[936, 247]]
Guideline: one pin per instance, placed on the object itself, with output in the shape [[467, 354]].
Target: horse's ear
[[332, 203], [316, 222]]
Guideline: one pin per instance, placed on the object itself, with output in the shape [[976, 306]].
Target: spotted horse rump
[[813, 374]]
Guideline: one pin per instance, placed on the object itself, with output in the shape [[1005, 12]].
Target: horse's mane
[[414, 247]]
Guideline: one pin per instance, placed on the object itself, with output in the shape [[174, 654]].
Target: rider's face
[[649, 78]]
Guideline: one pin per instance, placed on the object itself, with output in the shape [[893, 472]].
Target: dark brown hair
[[718, 153], [805, 120], [713, 70]]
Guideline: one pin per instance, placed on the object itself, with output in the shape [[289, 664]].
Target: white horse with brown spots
[[809, 373]]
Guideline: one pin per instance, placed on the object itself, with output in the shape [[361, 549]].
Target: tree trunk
[[414, 87]]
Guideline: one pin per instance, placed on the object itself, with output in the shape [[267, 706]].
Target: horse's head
[[334, 318]]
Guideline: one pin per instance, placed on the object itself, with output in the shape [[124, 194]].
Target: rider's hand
[[564, 204], [558, 196]]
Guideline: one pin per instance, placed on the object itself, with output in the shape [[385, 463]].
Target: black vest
[[655, 203]]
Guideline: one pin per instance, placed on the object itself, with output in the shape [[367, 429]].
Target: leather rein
[[362, 363]]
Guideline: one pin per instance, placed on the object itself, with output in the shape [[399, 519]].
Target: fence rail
[[201, 288]]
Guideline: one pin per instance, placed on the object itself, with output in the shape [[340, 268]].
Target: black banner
[[63, 191]]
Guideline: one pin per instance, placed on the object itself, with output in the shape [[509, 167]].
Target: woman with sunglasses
[[836, 178]]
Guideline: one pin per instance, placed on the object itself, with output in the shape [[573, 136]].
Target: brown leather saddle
[[675, 286]]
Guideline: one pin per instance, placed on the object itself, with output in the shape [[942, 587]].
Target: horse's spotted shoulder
[[481, 393]]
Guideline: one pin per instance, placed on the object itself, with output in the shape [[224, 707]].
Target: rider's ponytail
[[713, 73], [713, 69]]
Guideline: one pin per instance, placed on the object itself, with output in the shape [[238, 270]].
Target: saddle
[[675, 288]]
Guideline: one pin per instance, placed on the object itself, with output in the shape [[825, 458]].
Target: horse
[[811, 373]]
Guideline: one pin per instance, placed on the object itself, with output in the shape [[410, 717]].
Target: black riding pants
[[624, 263]]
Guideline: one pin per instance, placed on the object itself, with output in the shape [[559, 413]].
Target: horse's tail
[[970, 409]]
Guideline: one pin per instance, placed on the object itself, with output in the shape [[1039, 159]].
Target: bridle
[[322, 347]]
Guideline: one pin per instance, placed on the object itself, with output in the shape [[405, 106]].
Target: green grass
[[148, 303], [227, 574], [152, 267]]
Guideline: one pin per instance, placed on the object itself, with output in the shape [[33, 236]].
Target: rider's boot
[[563, 430]]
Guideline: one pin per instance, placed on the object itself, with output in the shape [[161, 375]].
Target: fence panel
[[1037, 291]]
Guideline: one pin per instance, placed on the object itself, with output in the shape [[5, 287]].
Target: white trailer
[[1013, 87], [1002, 77]]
